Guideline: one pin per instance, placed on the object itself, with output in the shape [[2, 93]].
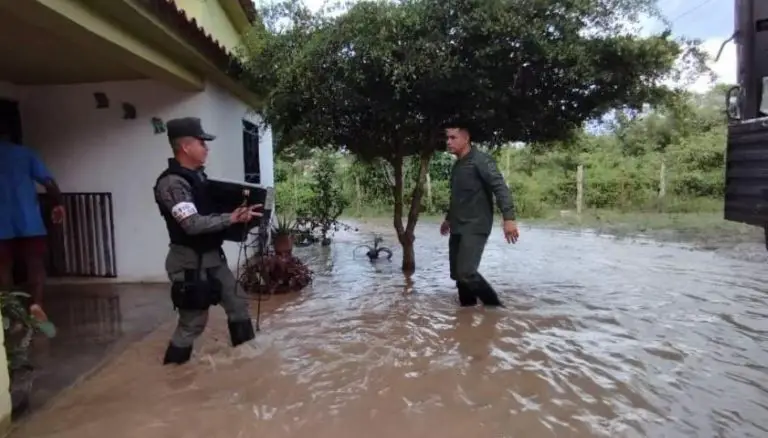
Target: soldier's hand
[[511, 232], [445, 228], [246, 214]]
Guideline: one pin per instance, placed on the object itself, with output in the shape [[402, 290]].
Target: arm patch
[[183, 210]]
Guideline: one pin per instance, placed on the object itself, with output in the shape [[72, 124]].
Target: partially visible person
[[475, 181], [23, 235]]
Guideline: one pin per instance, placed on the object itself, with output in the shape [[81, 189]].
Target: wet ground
[[602, 338], [93, 321]]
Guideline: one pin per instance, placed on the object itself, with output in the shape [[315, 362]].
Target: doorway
[[10, 116]]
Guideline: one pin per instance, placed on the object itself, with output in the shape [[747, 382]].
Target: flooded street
[[601, 338]]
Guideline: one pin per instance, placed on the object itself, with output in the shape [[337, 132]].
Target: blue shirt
[[20, 213]]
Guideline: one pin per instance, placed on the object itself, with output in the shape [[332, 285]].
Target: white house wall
[[226, 112], [222, 116], [96, 150], [9, 91]]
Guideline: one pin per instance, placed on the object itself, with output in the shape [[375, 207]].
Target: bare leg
[[34, 250], [6, 264]]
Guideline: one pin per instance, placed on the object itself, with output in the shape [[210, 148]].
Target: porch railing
[[85, 245]]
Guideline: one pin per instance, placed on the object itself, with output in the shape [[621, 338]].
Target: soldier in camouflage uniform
[[475, 181], [196, 264]]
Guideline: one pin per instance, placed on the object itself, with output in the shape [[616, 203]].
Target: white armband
[[183, 210]]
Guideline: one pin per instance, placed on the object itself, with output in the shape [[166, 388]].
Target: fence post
[[662, 184], [579, 189]]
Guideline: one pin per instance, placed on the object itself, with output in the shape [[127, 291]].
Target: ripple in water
[[602, 338]]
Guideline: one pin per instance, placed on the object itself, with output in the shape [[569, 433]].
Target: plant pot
[[20, 389], [284, 244]]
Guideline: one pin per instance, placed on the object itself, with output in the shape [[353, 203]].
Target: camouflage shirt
[[173, 191]]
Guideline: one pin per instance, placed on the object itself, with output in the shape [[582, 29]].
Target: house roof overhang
[[71, 41], [164, 25], [47, 42]]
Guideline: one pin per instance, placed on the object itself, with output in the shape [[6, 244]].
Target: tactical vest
[[201, 198]]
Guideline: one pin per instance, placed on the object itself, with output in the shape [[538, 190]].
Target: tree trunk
[[409, 257], [405, 232]]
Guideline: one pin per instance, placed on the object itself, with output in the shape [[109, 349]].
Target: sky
[[711, 21]]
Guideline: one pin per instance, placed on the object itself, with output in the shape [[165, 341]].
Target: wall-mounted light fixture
[[129, 111], [158, 125], [101, 100]]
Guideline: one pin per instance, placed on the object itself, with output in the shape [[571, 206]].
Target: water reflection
[[91, 320], [601, 338], [96, 316]]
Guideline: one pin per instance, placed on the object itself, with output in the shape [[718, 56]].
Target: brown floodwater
[[601, 338]]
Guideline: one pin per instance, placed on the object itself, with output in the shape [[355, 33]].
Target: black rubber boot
[[488, 296], [478, 288], [177, 355], [240, 332], [466, 297]]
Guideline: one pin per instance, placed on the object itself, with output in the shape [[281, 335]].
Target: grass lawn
[[708, 229]]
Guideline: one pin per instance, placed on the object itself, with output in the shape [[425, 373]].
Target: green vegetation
[[377, 82], [622, 176]]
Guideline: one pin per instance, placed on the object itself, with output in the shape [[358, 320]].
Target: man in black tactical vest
[[196, 265]]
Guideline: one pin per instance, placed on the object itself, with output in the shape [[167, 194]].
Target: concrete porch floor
[[93, 320]]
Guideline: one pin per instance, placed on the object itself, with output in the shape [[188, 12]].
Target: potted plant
[[282, 235], [20, 328]]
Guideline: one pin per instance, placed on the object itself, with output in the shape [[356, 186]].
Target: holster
[[194, 293]]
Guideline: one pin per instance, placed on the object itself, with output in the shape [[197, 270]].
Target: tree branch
[[397, 192], [418, 191]]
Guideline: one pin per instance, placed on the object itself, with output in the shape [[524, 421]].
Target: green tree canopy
[[382, 78]]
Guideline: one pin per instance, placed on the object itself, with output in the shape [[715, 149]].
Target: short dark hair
[[175, 145], [459, 123]]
